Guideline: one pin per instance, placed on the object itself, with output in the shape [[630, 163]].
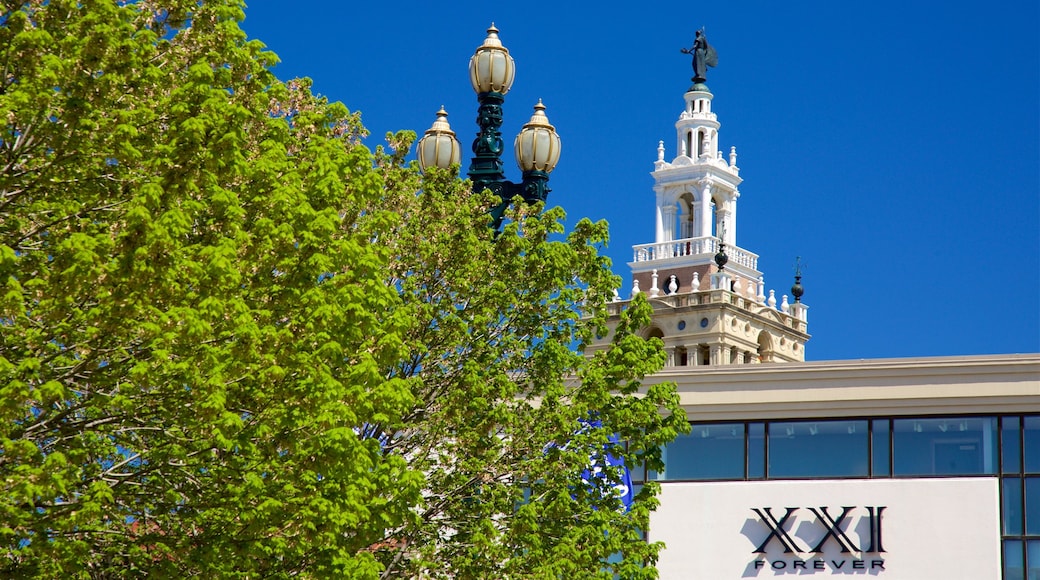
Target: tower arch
[[765, 347]]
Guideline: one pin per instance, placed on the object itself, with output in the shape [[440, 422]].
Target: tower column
[[723, 222], [705, 210], [731, 226], [670, 353], [658, 223], [668, 217], [695, 222]]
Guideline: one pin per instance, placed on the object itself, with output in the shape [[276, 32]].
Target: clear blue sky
[[893, 145]]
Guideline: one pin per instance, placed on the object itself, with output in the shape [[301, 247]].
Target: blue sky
[[894, 146]]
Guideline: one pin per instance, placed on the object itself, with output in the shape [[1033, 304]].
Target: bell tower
[[711, 305]]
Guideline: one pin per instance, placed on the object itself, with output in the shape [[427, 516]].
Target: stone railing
[[792, 315], [692, 247]]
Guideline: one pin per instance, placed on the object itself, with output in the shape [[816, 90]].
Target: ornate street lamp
[[439, 147], [537, 147]]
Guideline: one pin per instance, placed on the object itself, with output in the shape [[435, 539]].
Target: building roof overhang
[[955, 385]]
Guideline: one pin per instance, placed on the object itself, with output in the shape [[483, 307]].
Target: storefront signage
[[832, 528], [831, 532], [880, 529]]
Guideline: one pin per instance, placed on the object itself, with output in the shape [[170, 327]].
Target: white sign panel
[[892, 529]]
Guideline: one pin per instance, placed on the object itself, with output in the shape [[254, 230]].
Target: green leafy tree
[[235, 342]]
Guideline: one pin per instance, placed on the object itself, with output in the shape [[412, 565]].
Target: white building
[[903, 469]]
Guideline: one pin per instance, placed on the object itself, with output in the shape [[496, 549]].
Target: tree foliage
[[235, 342]]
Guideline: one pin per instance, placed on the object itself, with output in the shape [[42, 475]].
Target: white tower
[[710, 302]]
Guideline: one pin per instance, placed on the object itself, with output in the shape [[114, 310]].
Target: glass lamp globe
[[537, 146], [491, 69], [438, 146]]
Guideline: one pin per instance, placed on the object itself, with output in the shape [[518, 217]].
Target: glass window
[[756, 451], [1032, 506], [1014, 565], [954, 446], [713, 451], [1012, 498], [818, 449], [1033, 560], [638, 471], [1011, 445], [1031, 435], [880, 439]]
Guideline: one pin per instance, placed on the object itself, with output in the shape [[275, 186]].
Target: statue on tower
[[703, 56]]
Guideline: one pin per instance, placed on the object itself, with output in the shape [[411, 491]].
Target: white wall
[[945, 529]]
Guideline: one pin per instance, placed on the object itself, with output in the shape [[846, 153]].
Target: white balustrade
[[692, 247]]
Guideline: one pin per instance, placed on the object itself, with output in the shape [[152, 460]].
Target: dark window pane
[[639, 472], [756, 452], [1031, 435], [818, 449], [1012, 494], [879, 447], [1014, 565], [1011, 445], [1033, 506], [708, 452], [957, 446]]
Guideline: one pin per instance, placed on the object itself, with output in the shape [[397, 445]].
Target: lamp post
[[537, 147]]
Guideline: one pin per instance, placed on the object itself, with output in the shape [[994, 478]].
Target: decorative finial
[[492, 36], [797, 290], [442, 120], [721, 258], [539, 118]]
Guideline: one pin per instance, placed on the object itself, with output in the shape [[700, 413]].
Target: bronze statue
[[703, 56]]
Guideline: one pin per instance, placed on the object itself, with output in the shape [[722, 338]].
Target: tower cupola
[[710, 300]]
